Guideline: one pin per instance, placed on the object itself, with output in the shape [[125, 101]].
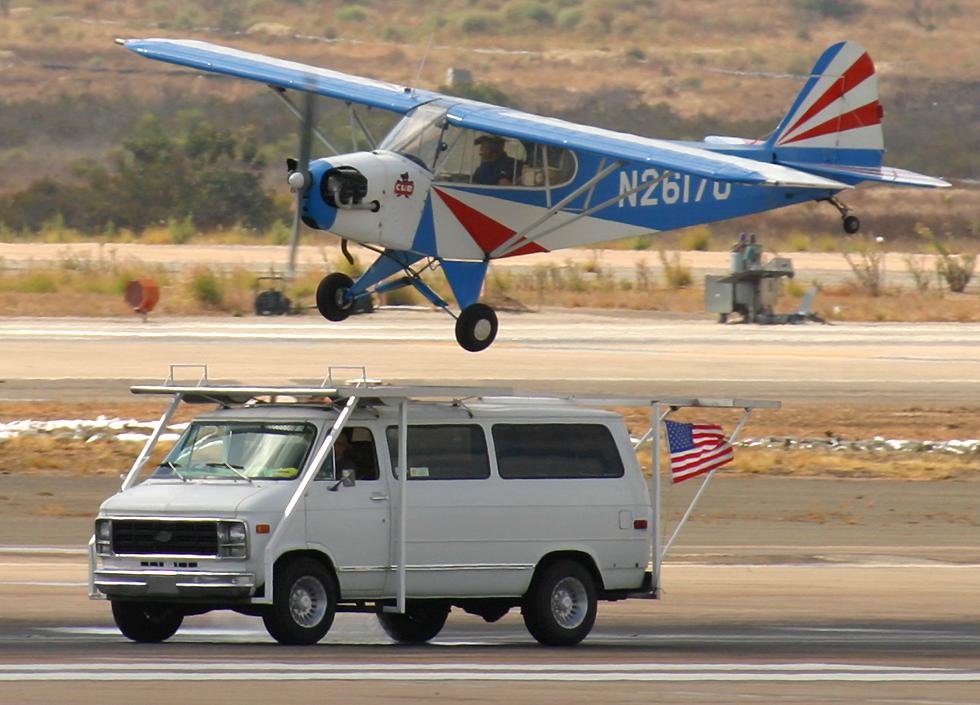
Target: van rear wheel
[[146, 622], [420, 623], [560, 607], [304, 603]]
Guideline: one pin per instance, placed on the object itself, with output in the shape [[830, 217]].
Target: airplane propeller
[[299, 177]]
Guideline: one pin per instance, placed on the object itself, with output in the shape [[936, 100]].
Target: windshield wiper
[[237, 469], [174, 468]]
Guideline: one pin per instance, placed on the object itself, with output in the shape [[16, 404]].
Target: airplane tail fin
[[836, 118], [834, 126]]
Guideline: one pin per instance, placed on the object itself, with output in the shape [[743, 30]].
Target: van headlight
[[232, 539], [103, 537]]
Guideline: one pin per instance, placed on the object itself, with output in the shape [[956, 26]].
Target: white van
[[295, 510]]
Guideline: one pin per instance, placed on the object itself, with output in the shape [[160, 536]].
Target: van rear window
[[544, 451], [451, 452]]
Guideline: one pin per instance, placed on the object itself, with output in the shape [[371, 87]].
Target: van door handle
[[376, 497]]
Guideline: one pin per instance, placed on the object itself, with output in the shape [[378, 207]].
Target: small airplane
[[458, 183]]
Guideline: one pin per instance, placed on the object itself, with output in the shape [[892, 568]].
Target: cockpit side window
[[472, 157]]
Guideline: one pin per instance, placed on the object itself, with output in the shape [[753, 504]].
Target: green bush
[[569, 18], [677, 275], [831, 9], [698, 239], [351, 14], [207, 288], [181, 231], [38, 283], [530, 11], [478, 23]]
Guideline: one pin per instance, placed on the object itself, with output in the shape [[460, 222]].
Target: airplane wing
[[278, 72], [662, 154], [479, 116]]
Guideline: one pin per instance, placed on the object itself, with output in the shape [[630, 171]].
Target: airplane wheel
[[851, 224], [476, 327], [333, 299]]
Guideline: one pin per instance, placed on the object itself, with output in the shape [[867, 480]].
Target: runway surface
[[742, 632], [565, 351]]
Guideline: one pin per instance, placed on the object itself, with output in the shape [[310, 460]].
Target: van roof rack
[[204, 392]]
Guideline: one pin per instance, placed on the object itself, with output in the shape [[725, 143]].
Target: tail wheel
[[145, 621], [333, 298], [304, 603], [560, 607], [476, 327], [420, 623], [851, 224]]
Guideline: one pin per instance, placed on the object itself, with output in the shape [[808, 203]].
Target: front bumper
[[165, 584]]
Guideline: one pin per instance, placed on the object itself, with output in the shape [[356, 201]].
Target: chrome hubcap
[[482, 329], [307, 602], [569, 603]]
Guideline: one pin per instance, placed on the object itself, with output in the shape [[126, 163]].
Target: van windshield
[[239, 450]]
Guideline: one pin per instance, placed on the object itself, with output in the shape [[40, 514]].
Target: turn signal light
[[639, 524], [261, 528]]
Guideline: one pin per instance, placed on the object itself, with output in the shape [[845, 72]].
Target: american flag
[[696, 448]]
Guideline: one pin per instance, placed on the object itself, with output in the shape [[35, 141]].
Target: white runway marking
[[269, 671]]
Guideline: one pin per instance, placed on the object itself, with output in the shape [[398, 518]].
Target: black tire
[[146, 622], [476, 327], [304, 603], [331, 296], [560, 607], [421, 622], [271, 303], [851, 224]]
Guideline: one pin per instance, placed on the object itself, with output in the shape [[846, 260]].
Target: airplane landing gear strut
[[850, 223]]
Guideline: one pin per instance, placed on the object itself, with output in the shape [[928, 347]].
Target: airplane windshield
[[419, 135], [238, 450]]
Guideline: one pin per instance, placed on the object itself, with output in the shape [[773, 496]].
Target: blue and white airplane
[[457, 183]]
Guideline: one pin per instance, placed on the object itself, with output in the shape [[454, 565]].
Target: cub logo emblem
[[404, 186]]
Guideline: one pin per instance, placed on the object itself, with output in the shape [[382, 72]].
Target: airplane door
[[352, 524]]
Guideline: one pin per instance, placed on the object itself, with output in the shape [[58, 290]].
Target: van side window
[[354, 450], [544, 451], [449, 452]]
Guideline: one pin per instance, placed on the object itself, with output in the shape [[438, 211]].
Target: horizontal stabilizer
[[880, 174]]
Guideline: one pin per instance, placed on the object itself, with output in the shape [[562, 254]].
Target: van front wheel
[[145, 621], [560, 607], [304, 603], [420, 623]]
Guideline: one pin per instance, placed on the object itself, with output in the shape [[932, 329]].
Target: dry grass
[[39, 455], [44, 455], [391, 41], [59, 510]]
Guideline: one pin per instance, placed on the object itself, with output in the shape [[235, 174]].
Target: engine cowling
[[370, 197]]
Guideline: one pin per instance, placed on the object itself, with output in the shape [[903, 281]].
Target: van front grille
[[163, 537]]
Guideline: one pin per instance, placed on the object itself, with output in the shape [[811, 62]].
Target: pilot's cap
[[492, 140]]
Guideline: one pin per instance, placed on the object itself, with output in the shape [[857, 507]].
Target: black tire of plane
[[476, 327], [421, 622], [304, 603], [146, 622], [331, 296], [560, 607], [851, 224]]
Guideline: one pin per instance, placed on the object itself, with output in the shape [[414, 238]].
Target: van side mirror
[[346, 480]]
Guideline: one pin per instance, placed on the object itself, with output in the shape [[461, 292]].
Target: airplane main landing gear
[[851, 223], [333, 299], [476, 327]]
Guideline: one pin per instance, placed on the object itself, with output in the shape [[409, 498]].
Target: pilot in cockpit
[[496, 168]]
